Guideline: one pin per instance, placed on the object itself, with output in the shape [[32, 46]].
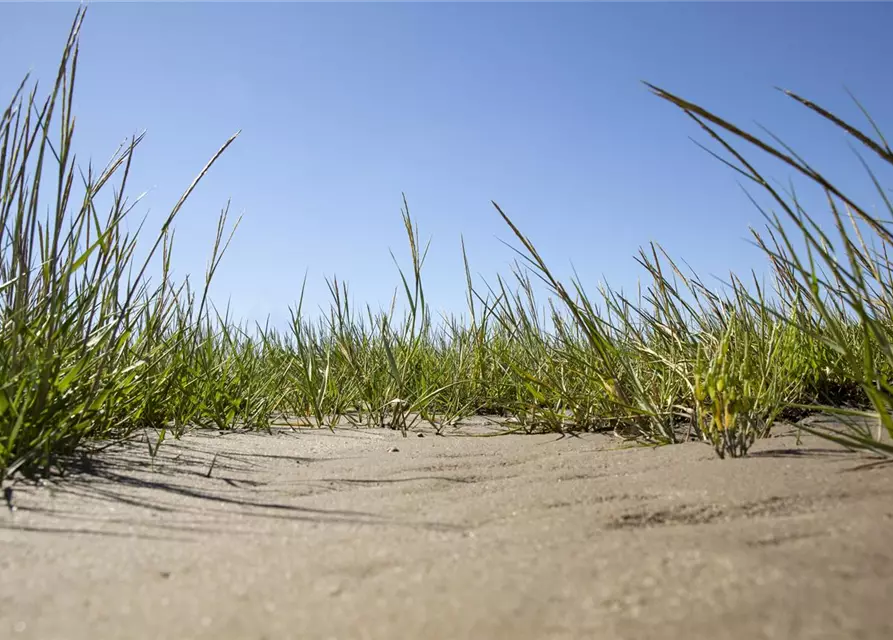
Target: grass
[[98, 344]]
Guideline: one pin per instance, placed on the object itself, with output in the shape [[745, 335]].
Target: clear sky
[[537, 106]]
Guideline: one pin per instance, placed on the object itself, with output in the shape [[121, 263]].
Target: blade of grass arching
[[173, 214], [598, 341], [871, 121], [812, 242], [795, 216], [883, 152], [218, 249], [810, 226], [877, 185], [698, 113]]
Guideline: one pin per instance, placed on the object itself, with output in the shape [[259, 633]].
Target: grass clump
[[834, 287], [90, 348], [93, 349]]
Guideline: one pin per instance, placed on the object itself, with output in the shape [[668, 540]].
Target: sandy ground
[[333, 535]]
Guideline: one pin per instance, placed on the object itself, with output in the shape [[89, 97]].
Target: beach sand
[[314, 534]]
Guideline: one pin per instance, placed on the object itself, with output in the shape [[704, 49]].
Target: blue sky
[[538, 106]]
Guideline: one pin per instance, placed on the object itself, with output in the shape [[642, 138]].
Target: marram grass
[[94, 350]]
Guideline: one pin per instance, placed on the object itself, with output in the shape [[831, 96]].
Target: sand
[[314, 534]]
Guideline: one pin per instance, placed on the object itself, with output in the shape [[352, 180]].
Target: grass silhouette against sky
[[539, 107]]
